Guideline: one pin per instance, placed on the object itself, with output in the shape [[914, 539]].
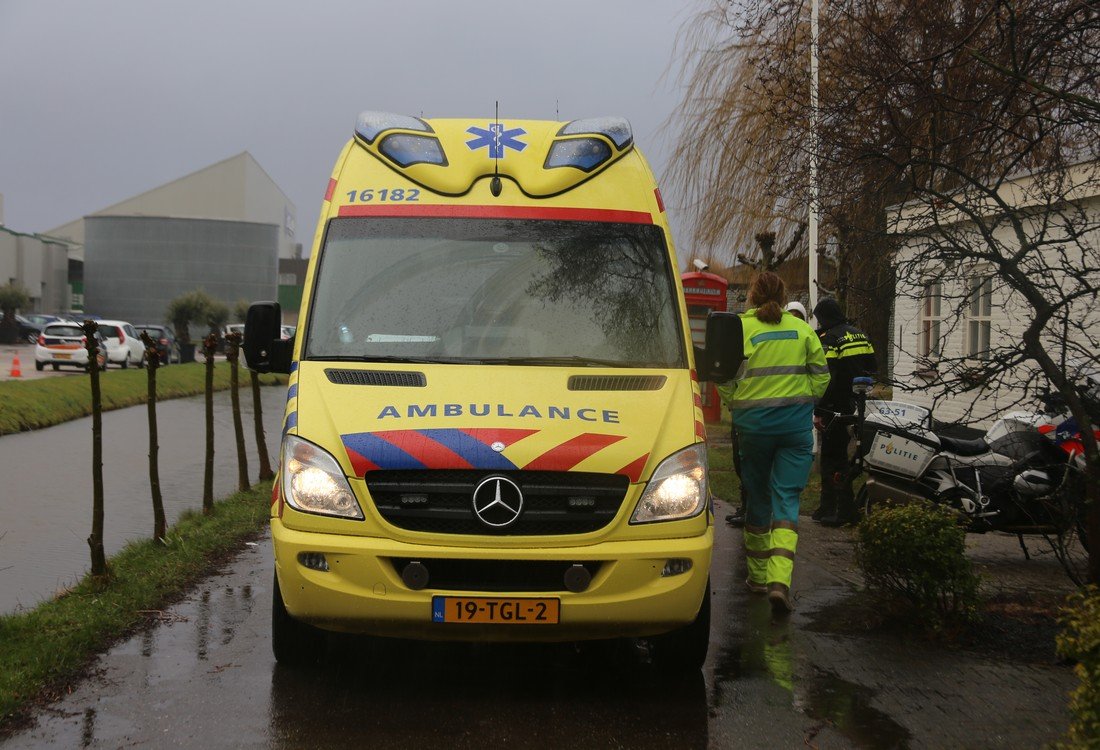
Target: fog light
[[415, 575], [577, 578], [313, 561], [676, 566]]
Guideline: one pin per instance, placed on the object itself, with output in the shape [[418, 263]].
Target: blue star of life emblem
[[496, 138]]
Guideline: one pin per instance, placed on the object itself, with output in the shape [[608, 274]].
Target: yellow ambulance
[[493, 426]]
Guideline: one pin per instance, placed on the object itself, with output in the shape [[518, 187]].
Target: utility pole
[[815, 193]]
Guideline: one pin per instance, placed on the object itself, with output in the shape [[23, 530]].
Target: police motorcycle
[[1014, 479]]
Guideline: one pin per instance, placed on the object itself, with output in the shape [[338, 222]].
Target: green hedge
[[1080, 641], [915, 556]]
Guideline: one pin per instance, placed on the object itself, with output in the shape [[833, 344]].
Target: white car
[[63, 344], [124, 345]]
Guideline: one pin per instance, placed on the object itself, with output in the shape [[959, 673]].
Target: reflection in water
[[202, 625], [847, 707], [765, 657], [148, 641], [477, 695], [87, 728], [621, 278]]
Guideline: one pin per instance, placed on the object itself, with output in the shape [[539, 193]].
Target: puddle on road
[[763, 660], [846, 707]]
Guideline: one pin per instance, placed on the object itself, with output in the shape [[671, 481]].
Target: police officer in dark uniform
[[849, 354]]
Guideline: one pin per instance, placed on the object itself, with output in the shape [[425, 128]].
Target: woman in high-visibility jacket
[[772, 401]]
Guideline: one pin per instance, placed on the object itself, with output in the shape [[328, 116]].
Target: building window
[[980, 308], [931, 317]]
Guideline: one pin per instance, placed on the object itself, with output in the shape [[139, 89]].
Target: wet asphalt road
[[47, 496], [205, 677]]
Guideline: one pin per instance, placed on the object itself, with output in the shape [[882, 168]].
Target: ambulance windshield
[[494, 290]]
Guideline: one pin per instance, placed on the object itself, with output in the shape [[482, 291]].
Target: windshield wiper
[[389, 358], [574, 361]]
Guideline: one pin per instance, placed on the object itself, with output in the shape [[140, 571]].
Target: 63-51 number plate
[[496, 610]]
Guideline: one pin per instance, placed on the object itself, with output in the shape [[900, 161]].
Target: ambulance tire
[[684, 650], [294, 643]]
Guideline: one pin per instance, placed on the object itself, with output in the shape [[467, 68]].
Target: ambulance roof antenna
[[494, 185], [557, 110]]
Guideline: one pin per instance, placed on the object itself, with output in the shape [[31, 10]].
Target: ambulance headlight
[[313, 481], [406, 150], [583, 153], [678, 488]]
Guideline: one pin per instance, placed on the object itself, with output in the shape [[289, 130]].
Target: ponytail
[[769, 312], [767, 294]]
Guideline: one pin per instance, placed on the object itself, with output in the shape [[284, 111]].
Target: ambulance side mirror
[[264, 349], [725, 347]]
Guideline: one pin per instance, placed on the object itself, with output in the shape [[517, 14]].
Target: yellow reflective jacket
[[783, 375]]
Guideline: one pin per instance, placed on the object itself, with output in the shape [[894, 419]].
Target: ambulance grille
[[441, 501], [616, 382], [495, 575], [398, 378]]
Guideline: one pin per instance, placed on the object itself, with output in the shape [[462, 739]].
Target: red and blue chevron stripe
[[469, 449]]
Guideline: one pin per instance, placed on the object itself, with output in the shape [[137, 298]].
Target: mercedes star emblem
[[498, 502]]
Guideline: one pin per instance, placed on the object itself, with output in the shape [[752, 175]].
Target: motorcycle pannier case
[[904, 451]]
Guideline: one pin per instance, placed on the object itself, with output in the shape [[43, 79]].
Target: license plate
[[59, 355], [495, 610]]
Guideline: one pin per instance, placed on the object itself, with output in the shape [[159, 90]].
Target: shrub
[[915, 555], [1080, 641]]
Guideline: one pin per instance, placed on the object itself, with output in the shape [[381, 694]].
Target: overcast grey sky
[[100, 101]]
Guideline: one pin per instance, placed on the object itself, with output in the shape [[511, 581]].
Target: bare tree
[[152, 358], [258, 421], [233, 356], [743, 144], [95, 540], [209, 348]]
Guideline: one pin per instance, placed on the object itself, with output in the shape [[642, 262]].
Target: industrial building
[[222, 229]]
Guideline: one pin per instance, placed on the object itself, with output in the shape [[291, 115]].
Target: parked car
[[168, 349], [40, 321], [28, 331], [123, 344], [62, 344]]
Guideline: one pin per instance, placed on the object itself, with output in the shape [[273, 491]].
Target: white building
[[952, 317], [37, 262]]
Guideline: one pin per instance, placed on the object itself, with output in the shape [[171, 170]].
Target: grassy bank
[[48, 646], [33, 404]]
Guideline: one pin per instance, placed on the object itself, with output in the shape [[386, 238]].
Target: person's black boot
[[737, 518], [845, 516], [827, 509]]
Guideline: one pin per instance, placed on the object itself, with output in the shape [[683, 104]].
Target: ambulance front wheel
[[294, 643], [684, 650]]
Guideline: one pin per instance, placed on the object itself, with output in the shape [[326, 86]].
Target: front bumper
[[363, 593]]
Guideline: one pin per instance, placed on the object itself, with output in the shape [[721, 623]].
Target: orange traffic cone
[[16, 372]]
